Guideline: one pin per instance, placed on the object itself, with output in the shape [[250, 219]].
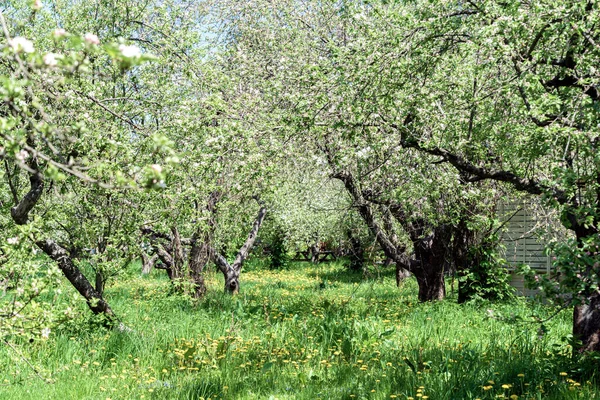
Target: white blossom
[[59, 33], [46, 333], [13, 240], [22, 155], [156, 168], [37, 5], [20, 44], [130, 51], [90, 38], [50, 59]]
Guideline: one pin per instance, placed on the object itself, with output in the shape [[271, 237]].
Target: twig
[[26, 360]]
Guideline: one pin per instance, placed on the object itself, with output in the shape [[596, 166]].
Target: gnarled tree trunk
[[20, 215], [94, 299], [586, 317], [231, 272], [428, 265], [148, 263]]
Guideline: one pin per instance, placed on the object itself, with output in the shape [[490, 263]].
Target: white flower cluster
[[90, 38], [130, 51], [21, 45]]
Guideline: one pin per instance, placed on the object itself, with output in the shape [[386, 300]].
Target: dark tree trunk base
[[431, 286], [586, 324]]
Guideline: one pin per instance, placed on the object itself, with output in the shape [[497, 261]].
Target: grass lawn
[[307, 332]]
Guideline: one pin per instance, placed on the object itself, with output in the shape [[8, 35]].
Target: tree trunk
[[586, 317], [100, 282], [431, 284], [430, 251], [231, 272], [586, 324], [94, 299], [148, 263], [177, 255], [401, 274], [232, 282], [357, 254], [199, 257], [314, 253]]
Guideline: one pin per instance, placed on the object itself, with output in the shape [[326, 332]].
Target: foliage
[[487, 278]]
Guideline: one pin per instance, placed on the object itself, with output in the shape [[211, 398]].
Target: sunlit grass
[[305, 332]]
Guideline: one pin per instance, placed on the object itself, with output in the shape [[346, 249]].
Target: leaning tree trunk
[[94, 299], [231, 272], [20, 215], [430, 251]]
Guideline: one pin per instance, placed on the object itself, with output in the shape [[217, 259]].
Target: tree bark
[[231, 272], [586, 324], [20, 215], [199, 257], [61, 256], [586, 317], [430, 250], [148, 263]]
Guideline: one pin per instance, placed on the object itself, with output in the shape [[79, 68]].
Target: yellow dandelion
[[563, 374]]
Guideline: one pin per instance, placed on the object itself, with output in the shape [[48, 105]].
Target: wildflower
[[486, 388], [13, 240], [563, 374], [506, 386], [90, 38], [130, 51], [521, 375], [37, 5], [156, 168], [514, 397], [50, 59], [20, 44]]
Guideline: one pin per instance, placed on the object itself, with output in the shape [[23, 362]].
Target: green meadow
[[305, 332]]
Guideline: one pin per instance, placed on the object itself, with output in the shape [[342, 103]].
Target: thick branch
[[530, 186], [20, 212], [94, 300], [221, 262], [245, 249], [366, 213]]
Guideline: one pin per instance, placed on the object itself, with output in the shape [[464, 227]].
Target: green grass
[[307, 332]]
